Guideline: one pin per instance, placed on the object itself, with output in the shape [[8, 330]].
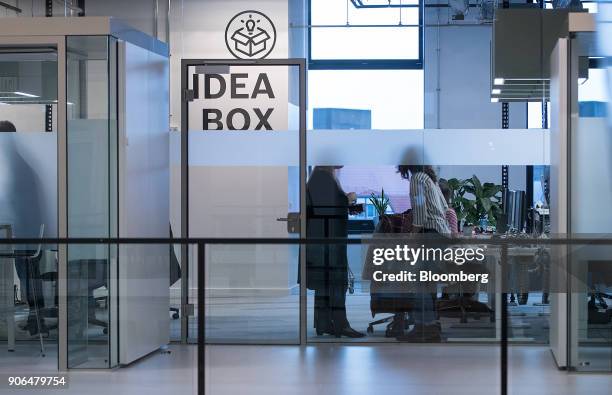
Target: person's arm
[[451, 219], [418, 203]]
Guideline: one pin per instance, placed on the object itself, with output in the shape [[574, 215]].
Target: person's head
[[446, 191], [407, 170], [7, 127]]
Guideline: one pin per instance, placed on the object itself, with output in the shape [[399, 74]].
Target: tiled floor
[[324, 369]]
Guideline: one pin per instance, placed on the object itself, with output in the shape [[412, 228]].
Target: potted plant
[[473, 200], [381, 204]]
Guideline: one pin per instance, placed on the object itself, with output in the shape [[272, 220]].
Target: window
[[365, 65], [358, 34], [366, 99]]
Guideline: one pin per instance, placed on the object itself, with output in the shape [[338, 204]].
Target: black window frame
[[366, 64]]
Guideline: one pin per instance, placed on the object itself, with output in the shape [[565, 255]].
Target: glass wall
[[28, 201], [92, 197], [591, 268]]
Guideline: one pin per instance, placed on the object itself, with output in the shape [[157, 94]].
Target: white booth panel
[[143, 204]]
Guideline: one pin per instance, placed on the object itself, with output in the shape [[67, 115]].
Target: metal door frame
[[185, 99]]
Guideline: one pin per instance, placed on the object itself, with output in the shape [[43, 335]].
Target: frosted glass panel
[[28, 180], [436, 146]]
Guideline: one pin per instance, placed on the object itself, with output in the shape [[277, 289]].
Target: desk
[[7, 282]]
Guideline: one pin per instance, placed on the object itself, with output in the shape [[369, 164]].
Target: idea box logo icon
[[250, 35]]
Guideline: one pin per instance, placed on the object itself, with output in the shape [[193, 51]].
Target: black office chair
[[394, 304], [32, 261], [175, 275]]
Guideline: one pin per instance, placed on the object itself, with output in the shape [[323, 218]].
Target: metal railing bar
[[305, 241]]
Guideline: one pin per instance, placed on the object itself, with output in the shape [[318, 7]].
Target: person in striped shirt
[[428, 216], [428, 204], [451, 215]]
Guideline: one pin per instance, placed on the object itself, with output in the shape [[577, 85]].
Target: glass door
[[242, 156]]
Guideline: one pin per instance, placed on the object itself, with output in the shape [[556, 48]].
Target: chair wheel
[[175, 316], [370, 329], [105, 331]]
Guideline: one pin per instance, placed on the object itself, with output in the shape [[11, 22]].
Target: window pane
[[360, 40], [365, 43], [356, 99], [335, 12]]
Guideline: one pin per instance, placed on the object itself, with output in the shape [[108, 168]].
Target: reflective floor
[[324, 369], [258, 319]]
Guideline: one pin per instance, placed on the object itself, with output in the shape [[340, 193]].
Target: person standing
[[327, 265], [428, 218]]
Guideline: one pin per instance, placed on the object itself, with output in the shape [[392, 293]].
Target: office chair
[[175, 274], [97, 277], [462, 305], [32, 261], [599, 279], [383, 302]]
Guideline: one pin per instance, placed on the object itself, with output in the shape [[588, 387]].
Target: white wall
[[197, 30], [229, 200], [144, 205]]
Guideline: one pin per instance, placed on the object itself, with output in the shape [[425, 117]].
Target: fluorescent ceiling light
[[494, 100], [25, 94], [496, 91], [498, 81]]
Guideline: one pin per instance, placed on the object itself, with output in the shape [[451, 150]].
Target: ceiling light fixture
[[498, 81]]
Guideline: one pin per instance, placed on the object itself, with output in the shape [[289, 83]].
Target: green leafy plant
[[473, 200], [380, 203]]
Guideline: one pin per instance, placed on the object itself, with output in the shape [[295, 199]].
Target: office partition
[[99, 91]]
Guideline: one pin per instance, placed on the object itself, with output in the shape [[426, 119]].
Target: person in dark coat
[[327, 265]]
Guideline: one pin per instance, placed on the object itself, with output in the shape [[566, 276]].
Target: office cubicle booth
[[580, 170], [86, 105]]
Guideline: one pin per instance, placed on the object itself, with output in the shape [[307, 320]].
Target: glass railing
[[502, 298]]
